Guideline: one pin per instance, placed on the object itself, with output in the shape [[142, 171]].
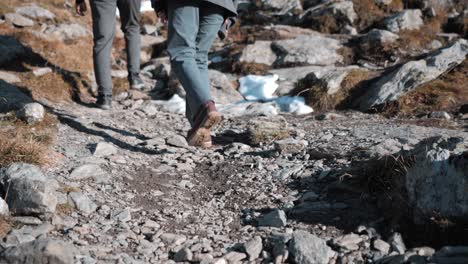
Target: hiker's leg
[[183, 25], [103, 12], [129, 17], [211, 19]]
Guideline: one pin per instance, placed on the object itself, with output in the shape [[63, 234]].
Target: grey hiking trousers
[[104, 16], [193, 26]]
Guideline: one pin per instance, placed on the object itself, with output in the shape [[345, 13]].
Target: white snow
[[254, 87], [145, 7]]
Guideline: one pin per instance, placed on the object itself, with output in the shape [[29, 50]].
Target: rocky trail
[[132, 191], [344, 140]]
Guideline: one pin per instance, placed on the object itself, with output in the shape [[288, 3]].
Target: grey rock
[[183, 255], [410, 19], [104, 149], [248, 108], [11, 49], [39, 251], [123, 216], [29, 191], [309, 50], [276, 218], [259, 52], [381, 246], [309, 249], [83, 203], [397, 243], [290, 146], [253, 248], [86, 171], [348, 242], [177, 141], [435, 182], [222, 89], [27, 220], [265, 129], [35, 12], [407, 77], [19, 20], [31, 113], [9, 77], [235, 257], [330, 79], [385, 148], [380, 37], [173, 239], [341, 12], [440, 115], [66, 32], [42, 71], [281, 7]]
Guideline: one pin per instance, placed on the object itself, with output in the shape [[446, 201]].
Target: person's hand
[[81, 8], [162, 17]]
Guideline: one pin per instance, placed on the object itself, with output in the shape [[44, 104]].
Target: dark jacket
[[229, 5], [230, 15]]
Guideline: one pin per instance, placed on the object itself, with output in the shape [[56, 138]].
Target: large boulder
[[65, 32], [259, 52], [410, 19], [35, 12], [11, 49], [11, 98], [308, 50], [18, 20], [28, 191], [412, 74], [438, 178], [38, 252], [222, 89], [282, 6], [334, 17], [309, 249]]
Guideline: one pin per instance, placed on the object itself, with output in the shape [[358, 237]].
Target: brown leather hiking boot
[[206, 118]]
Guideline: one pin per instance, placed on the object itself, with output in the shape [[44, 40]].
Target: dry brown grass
[[21, 142], [370, 13], [244, 68], [65, 209], [120, 85], [5, 226], [446, 93], [316, 94]]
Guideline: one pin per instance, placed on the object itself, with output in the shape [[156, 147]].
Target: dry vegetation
[[447, 93], [316, 94], [21, 142]]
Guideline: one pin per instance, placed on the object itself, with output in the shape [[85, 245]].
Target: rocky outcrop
[[406, 20], [308, 50], [309, 249], [408, 76], [39, 251], [437, 179], [27, 190]]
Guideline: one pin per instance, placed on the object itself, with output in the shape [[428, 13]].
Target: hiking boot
[[104, 102], [206, 119], [135, 81], [200, 137]]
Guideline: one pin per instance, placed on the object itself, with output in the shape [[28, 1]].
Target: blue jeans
[[193, 26]]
